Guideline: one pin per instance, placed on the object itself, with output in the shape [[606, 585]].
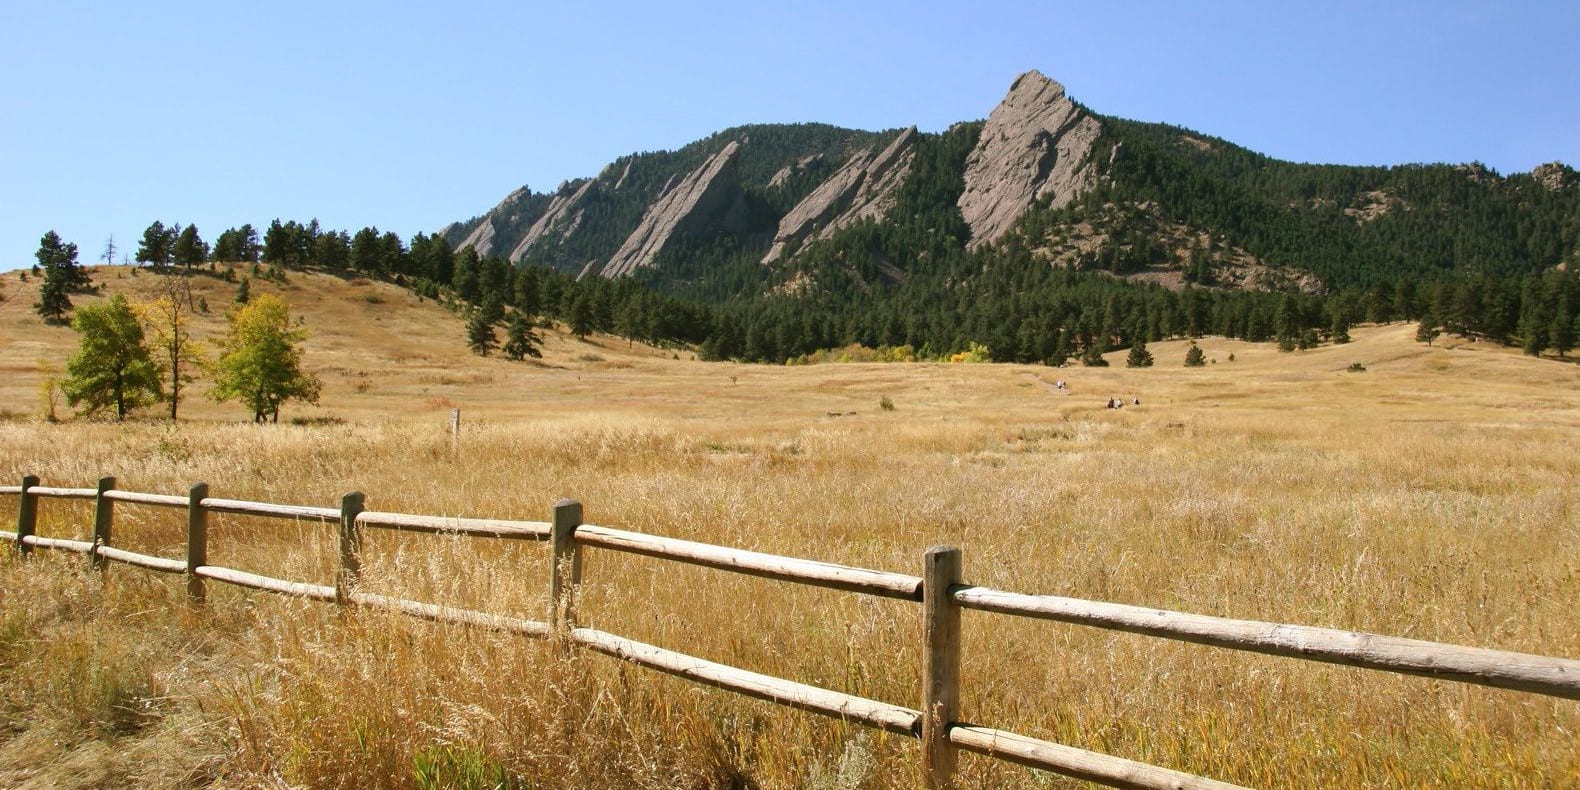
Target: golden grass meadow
[[1432, 496]]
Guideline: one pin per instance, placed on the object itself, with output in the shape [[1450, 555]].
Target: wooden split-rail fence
[[941, 590]]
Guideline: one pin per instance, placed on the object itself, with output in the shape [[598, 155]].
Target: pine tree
[[189, 249], [580, 315], [1428, 330], [1339, 330], [59, 262], [1194, 358], [1561, 333], [244, 291], [480, 335], [521, 339], [155, 248], [1139, 356]]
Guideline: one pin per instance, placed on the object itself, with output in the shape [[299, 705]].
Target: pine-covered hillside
[[1048, 232], [1082, 191]]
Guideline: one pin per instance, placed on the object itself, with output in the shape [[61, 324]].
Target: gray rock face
[[484, 235], [865, 187], [1036, 143], [481, 238], [709, 190], [562, 218]]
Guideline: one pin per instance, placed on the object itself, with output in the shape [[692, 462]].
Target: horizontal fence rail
[[751, 563], [469, 527], [936, 724], [1556, 677]]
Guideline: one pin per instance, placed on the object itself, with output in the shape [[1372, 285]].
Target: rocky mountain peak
[[563, 217], [1036, 144], [1555, 176], [864, 188], [709, 191]]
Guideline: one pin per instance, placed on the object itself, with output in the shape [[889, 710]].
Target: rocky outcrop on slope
[[1555, 176], [562, 218], [709, 191], [785, 173], [486, 232], [1036, 144], [481, 238], [865, 187]]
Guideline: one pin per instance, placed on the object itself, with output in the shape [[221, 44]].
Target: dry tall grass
[[1432, 496]]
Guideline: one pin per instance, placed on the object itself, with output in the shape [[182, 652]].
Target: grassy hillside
[[1431, 496]]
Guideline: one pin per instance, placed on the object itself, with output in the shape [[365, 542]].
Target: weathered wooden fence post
[[197, 542], [941, 570], [566, 572], [351, 506], [26, 515], [103, 514], [455, 429]]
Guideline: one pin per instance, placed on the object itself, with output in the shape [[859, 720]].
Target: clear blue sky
[[405, 116]]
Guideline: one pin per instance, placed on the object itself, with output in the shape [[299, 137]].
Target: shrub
[[975, 352]]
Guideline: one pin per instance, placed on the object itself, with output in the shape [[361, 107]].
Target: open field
[[1432, 496]]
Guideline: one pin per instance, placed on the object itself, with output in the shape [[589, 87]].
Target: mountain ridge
[[1048, 173]]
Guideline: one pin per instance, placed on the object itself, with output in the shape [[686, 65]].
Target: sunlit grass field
[[1431, 496]]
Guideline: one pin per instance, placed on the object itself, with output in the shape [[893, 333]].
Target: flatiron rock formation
[[708, 191], [1036, 143], [562, 218], [481, 238], [864, 188]]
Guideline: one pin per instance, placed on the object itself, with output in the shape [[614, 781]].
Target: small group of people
[[1119, 403]]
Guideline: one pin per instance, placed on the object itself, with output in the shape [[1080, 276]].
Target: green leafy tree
[[261, 365], [1139, 356], [1194, 358], [112, 368], [521, 339], [169, 319]]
